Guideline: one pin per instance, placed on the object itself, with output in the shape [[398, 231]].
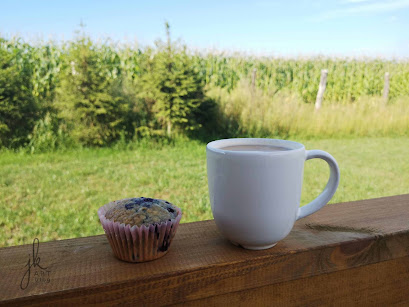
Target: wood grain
[[381, 284], [341, 241]]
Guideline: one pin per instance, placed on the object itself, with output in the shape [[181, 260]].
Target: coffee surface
[[267, 148]]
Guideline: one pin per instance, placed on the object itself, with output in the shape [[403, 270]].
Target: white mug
[[255, 195]]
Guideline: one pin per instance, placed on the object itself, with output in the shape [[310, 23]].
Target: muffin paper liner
[[138, 244]]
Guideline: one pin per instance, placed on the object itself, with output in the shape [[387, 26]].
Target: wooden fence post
[[321, 89], [386, 88], [253, 79]]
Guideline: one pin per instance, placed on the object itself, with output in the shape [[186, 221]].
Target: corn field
[[348, 79]]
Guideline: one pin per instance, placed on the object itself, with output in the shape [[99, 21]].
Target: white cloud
[[355, 1], [374, 7]]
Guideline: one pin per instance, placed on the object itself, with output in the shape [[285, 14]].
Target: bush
[[91, 102], [172, 85], [49, 135], [19, 109]]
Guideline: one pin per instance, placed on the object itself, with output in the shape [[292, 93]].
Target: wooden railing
[[354, 253]]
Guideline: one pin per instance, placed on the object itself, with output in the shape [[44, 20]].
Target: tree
[[88, 99], [174, 86]]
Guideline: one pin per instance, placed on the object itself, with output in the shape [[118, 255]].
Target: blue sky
[[261, 27]]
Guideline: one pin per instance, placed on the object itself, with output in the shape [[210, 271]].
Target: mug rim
[[215, 146]]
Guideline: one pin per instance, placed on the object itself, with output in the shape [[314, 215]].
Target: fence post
[[321, 89], [253, 79], [386, 88]]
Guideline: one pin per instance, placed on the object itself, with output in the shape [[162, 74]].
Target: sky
[[354, 28]]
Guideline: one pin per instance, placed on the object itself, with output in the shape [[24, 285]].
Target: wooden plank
[[381, 284], [201, 263]]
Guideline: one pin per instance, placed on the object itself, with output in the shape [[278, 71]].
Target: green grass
[[258, 114], [56, 195]]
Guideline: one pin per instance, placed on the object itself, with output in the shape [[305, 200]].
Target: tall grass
[[284, 114]]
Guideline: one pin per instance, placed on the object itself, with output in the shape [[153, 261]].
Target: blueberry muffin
[[142, 211], [140, 229]]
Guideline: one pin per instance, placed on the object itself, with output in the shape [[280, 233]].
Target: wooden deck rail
[[354, 253]]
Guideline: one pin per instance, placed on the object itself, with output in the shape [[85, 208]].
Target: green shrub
[[19, 109], [173, 87], [49, 135], [89, 99]]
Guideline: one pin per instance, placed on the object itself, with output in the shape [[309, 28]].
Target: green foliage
[[243, 112], [49, 135], [99, 94], [348, 79], [90, 98], [19, 107], [174, 87]]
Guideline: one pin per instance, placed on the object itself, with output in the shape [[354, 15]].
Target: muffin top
[[141, 211]]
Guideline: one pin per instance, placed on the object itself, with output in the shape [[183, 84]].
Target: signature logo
[[41, 274]]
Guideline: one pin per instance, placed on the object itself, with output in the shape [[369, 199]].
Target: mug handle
[[329, 189]]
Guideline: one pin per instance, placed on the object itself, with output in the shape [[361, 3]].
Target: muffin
[[139, 229]]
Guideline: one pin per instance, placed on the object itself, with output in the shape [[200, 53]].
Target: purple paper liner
[[138, 244]]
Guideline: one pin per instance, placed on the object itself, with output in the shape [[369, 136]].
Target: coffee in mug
[[267, 148], [255, 188]]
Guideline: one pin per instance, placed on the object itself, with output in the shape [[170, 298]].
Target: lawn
[[56, 195]]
